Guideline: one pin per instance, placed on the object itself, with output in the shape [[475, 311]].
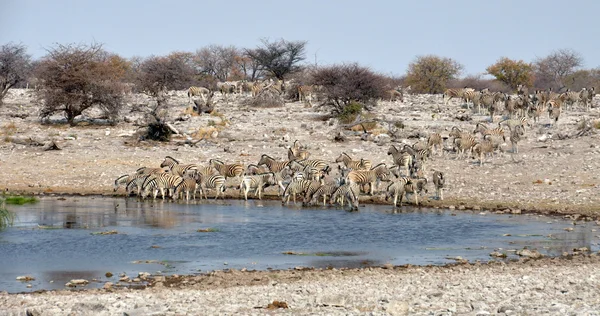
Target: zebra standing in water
[[187, 186], [439, 181], [300, 186], [161, 182], [206, 182], [176, 168], [256, 182], [400, 187], [379, 172], [347, 191]]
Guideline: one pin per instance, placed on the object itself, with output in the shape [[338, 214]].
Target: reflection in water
[[56, 240]]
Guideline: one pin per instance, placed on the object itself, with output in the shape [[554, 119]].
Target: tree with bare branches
[[77, 77], [15, 66], [430, 74], [552, 70], [346, 83], [217, 61], [278, 58]]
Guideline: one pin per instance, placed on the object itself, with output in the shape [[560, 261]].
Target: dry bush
[[430, 74], [303, 77], [15, 66], [159, 73], [344, 84], [552, 70], [583, 79], [79, 77], [279, 58]]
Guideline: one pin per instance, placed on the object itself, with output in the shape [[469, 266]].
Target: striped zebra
[[187, 186], [472, 96], [315, 163], [256, 183], [377, 173], [515, 136], [511, 123], [586, 97], [216, 182], [325, 191], [554, 109], [462, 142], [435, 143], [401, 158], [148, 170], [253, 169], [537, 111], [484, 130], [400, 187], [346, 192], [161, 182], [361, 164], [124, 180], [491, 100], [454, 93], [176, 168], [227, 170], [272, 164], [483, 148], [197, 91], [570, 98], [438, 182], [299, 186]]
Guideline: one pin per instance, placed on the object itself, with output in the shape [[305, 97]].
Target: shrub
[[430, 74], [78, 77], [15, 66], [350, 112], [347, 83], [6, 217], [20, 200], [512, 72]]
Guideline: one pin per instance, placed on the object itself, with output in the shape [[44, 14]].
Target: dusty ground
[[555, 171]]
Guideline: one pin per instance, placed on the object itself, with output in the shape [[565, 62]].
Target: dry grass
[[8, 130]]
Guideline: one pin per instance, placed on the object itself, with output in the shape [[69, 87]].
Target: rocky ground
[[560, 286], [555, 171]]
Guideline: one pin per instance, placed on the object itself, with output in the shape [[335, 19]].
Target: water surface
[[56, 239]]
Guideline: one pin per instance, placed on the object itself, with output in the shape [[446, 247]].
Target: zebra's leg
[[441, 194]]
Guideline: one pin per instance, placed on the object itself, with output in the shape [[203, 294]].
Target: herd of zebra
[[523, 104], [313, 179], [304, 93]]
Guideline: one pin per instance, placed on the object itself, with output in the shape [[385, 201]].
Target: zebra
[[511, 123], [454, 93], [148, 170], [401, 158], [176, 168], [462, 141], [472, 96], [227, 170], [585, 96], [522, 90], [515, 137], [206, 182], [272, 164], [401, 186], [299, 186], [194, 91], [438, 182], [125, 180], [346, 191], [379, 172], [484, 130], [326, 190], [485, 147], [137, 180], [570, 98], [186, 186], [554, 109], [256, 182], [315, 163], [253, 169], [361, 164], [297, 152], [490, 101], [161, 182], [435, 142]]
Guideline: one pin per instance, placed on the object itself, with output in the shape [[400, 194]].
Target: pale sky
[[384, 35]]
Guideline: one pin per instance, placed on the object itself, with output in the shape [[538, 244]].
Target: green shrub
[[20, 200], [349, 112], [6, 217]]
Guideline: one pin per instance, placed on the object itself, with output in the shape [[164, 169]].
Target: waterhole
[[59, 239]]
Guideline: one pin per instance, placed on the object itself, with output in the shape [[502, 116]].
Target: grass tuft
[[20, 200], [7, 217]]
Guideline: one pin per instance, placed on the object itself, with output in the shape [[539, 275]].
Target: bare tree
[[156, 74], [250, 67], [430, 74], [77, 77], [551, 71], [278, 58], [15, 65], [218, 61]]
